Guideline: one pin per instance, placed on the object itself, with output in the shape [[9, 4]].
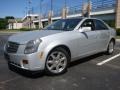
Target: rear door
[[104, 33]]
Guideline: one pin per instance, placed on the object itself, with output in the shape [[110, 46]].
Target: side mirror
[[85, 29]]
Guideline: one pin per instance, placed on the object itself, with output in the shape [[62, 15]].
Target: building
[[102, 9], [108, 10], [14, 24], [28, 21]]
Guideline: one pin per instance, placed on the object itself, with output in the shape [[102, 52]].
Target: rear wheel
[[110, 48], [57, 61]]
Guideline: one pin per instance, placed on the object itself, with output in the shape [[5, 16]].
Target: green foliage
[[3, 23], [27, 29], [118, 32], [9, 17], [111, 23], [37, 26], [24, 29]]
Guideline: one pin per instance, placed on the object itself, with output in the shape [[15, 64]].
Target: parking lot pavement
[[83, 74]]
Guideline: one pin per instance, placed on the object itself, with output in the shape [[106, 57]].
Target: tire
[[57, 61], [110, 48], [10, 66]]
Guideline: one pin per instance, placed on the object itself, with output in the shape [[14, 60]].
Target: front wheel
[[110, 48], [57, 61]]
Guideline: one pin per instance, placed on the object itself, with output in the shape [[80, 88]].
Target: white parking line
[[9, 80], [1, 87], [107, 60]]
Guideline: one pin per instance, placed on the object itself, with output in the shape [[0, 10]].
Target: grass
[[5, 31], [117, 37], [9, 30], [13, 31]]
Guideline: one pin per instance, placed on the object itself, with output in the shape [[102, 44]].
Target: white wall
[[15, 26]]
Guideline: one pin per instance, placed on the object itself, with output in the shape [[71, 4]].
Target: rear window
[[99, 25]]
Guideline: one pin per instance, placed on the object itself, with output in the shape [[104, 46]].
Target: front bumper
[[35, 63]]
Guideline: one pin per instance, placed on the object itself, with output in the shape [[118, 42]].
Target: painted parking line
[[9, 80], [1, 88], [107, 60]]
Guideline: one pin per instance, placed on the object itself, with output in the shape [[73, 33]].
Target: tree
[[3, 23], [9, 17]]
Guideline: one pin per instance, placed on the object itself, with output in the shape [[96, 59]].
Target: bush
[[27, 29], [24, 29], [118, 32], [3, 23], [111, 23]]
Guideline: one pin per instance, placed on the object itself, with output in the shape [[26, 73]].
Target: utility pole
[[26, 11], [65, 3], [29, 13], [86, 9], [50, 13], [26, 23], [40, 15], [64, 11], [51, 5], [89, 7]]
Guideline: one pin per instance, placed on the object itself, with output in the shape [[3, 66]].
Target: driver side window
[[88, 23]]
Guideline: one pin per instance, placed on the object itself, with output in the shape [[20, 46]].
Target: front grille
[[12, 47], [14, 63]]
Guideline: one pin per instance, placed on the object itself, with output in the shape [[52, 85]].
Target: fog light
[[25, 61]]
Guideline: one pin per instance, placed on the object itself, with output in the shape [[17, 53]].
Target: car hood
[[23, 38]]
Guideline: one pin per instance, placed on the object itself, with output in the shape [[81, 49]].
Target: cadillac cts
[[54, 47]]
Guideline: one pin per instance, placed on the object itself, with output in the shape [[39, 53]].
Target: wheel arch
[[113, 39], [65, 47]]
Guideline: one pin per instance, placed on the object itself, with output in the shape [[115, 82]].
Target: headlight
[[32, 46]]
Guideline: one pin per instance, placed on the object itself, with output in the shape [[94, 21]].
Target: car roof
[[81, 18]]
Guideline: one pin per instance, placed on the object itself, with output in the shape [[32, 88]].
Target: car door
[[104, 33], [88, 43]]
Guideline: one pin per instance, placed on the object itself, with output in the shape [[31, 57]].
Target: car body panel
[[23, 38]]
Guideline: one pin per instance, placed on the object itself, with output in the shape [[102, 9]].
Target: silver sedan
[[54, 47]]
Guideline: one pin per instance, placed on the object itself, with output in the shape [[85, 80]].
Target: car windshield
[[64, 25]]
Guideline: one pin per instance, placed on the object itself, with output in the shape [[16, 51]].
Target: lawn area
[[14, 31], [7, 31], [117, 37]]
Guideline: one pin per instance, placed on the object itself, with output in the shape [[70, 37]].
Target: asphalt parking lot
[[89, 73]]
